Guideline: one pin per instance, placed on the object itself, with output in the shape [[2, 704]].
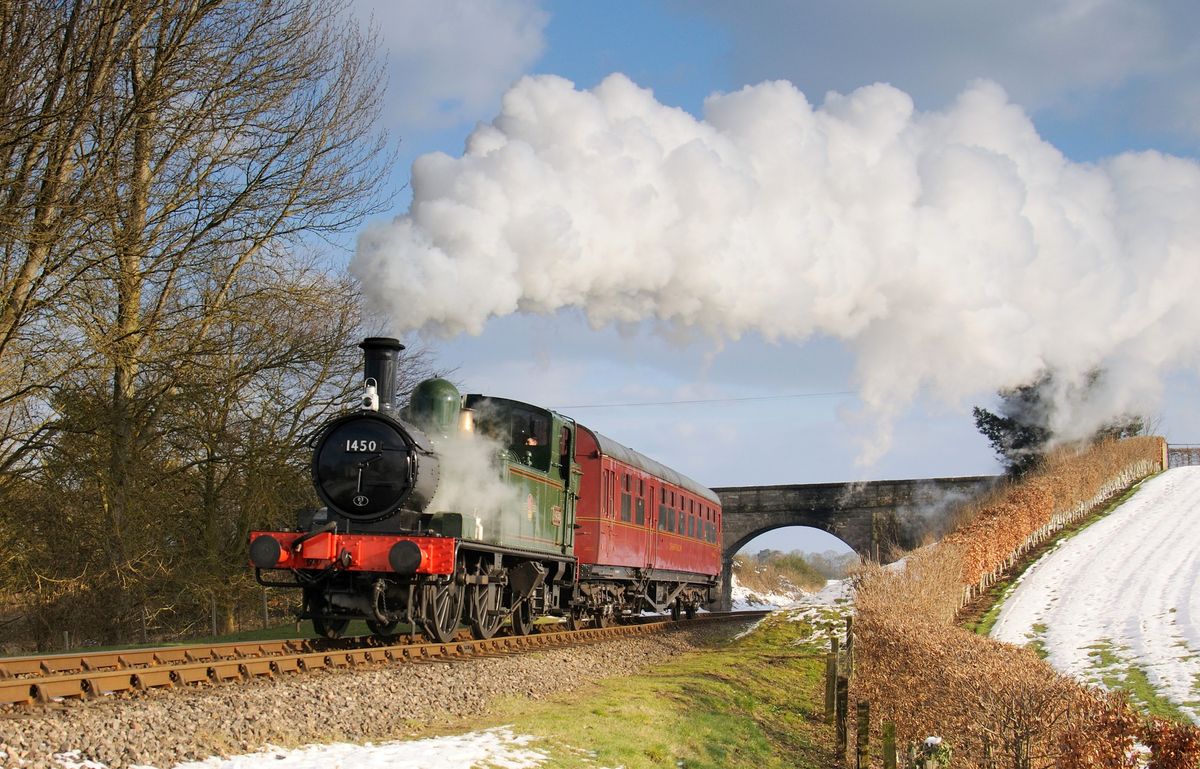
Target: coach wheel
[[485, 611], [676, 609], [603, 617], [577, 619], [690, 610], [443, 607]]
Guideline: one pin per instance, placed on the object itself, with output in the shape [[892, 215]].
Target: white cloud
[[449, 60]]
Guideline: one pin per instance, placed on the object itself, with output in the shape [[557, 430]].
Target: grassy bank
[[754, 702]]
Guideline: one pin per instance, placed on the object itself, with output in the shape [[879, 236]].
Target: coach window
[[671, 520], [625, 500], [691, 525], [640, 506]]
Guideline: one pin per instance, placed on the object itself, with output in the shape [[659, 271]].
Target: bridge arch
[[875, 518]]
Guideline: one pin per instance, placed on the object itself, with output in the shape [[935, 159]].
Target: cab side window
[[529, 438]]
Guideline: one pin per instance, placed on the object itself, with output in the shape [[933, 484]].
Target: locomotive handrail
[[330, 528]]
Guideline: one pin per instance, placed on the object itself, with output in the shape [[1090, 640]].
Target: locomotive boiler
[[485, 511]]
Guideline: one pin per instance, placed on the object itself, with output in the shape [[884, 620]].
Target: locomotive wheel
[[325, 627], [676, 609], [485, 611], [522, 619], [443, 606], [382, 630], [330, 628]]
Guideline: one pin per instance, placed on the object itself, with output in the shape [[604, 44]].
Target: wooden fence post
[[843, 705], [889, 745], [831, 676], [849, 646], [862, 742]]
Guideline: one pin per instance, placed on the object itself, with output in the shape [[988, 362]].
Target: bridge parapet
[[1183, 454]]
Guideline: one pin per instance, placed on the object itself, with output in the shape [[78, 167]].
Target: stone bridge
[[875, 518]]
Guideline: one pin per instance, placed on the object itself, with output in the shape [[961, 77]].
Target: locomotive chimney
[[380, 356]]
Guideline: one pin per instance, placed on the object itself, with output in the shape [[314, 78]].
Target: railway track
[[25, 681]]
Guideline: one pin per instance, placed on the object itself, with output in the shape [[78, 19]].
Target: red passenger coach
[[650, 535]]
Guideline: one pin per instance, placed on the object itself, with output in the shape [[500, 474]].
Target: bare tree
[[61, 59], [216, 144]]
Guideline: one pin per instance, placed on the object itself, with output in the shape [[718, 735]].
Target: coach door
[[651, 534], [608, 516]]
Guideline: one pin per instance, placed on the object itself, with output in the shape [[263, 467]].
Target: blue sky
[[1097, 77]]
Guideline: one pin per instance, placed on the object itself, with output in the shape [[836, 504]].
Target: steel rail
[[44, 679]]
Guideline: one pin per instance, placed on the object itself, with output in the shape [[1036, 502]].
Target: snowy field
[[1121, 595]]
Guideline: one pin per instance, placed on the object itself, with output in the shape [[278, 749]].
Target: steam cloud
[[955, 251], [469, 483]]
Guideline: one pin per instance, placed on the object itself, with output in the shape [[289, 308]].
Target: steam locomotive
[[489, 512]]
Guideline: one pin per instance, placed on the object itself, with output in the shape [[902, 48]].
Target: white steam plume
[[469, 483], [953, 250]]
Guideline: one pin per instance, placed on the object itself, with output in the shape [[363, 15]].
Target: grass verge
[[755, 702]]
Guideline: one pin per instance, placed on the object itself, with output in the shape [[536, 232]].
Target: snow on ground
[[1121, 593], [494, 748], [745, 599], [823, 609], [828, 605]]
